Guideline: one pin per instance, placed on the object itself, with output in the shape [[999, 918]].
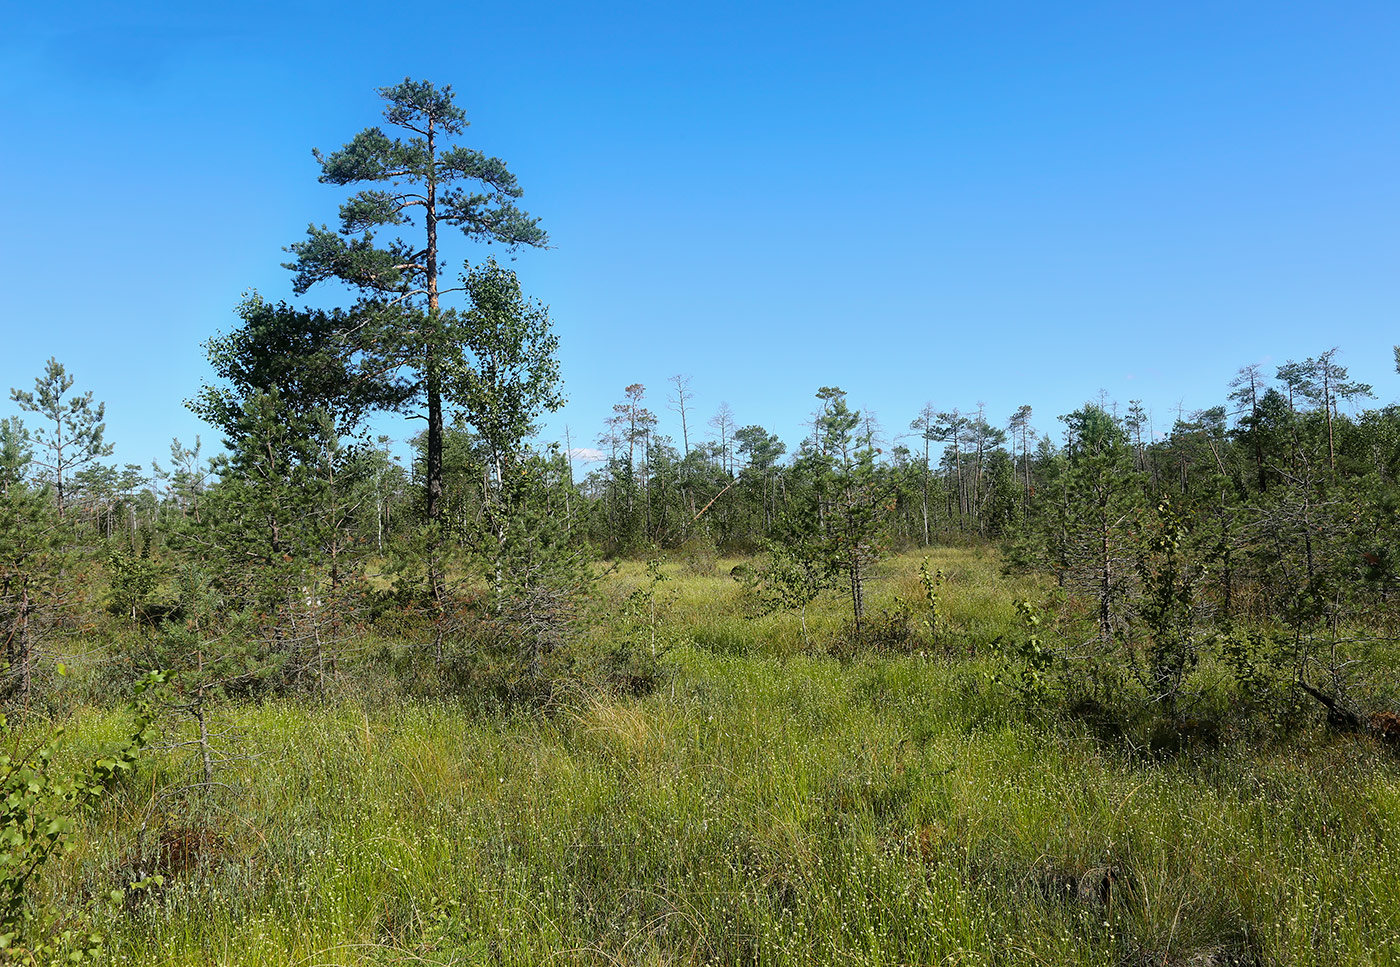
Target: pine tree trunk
[[205, 756], [1105, 580], [25, 644], [432, 364]]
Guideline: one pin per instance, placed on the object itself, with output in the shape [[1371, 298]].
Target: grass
[[767, 804]]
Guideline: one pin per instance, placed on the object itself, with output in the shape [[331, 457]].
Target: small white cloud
[[586, 454]]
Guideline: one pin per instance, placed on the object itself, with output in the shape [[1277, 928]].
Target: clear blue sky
[[1004, 202]]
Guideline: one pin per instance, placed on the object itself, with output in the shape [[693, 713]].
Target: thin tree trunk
[[205, 756], [431, 363], [924, 489], [25, 644], [1327, 406], [1105, 586]]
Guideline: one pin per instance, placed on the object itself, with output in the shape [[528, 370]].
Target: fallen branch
[[712, 501], [1338, 715]]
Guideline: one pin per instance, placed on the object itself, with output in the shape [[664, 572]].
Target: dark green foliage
[[850, 494], [1093, 513], [1261, 581], [270, 519], [35, 550], [419, 177], [539, 576], [486, 213], [328, 361]]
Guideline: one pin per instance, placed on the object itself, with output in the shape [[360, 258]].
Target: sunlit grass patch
[[765, 803]]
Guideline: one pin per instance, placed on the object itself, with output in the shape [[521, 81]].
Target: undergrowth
[[720, 787]]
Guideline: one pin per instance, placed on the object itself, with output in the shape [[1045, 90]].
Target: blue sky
[[999, 202]]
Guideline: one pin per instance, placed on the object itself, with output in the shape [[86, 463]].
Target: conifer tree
[[33, 553], [850, 491], [1097, 512], [1325, 384], [420, 180], [926, 425], [74, 438]]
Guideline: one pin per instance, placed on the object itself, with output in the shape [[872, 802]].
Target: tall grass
[[768, 803]]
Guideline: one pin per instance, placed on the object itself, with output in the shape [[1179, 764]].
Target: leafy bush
[[38, 810]]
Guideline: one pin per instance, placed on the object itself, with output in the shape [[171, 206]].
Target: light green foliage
[[184, 482], [1168, 610], [769, 804], [504, 372], [132, 579], [931, 584], [39, 811], [1030, 662], [795, 572], [647, 606], [773, 807]]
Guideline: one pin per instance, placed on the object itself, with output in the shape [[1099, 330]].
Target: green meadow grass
[[767, 803]]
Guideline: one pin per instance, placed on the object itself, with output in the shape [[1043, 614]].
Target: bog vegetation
[[972, 691]]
